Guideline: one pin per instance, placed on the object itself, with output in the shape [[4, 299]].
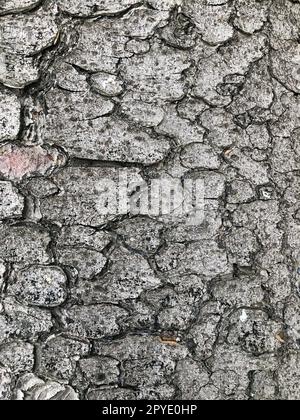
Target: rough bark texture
[[127, 306]]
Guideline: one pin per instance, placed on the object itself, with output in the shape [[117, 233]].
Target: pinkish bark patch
[[18, 162]]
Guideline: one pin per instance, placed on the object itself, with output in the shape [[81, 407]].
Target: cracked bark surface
[[116, 305]]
